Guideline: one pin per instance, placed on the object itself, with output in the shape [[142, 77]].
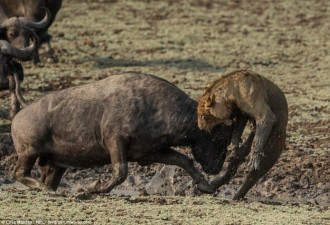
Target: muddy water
[[168, 181]]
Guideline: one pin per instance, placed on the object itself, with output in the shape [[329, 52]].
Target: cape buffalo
[[17, 32], [129, 117], [17, 13], [14, 71], [236, 98]]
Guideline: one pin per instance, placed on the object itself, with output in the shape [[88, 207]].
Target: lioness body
[[236, 98]]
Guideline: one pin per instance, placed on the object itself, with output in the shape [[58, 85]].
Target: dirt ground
[[191, 43]]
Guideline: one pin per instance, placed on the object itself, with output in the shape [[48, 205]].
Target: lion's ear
[[209, 102], [207, 88]]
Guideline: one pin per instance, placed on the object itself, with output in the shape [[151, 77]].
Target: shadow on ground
[[190, 63]]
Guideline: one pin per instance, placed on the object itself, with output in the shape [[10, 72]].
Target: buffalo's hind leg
[[117, 148], [14, 104], [172, 157], [22, 172], [51, 174]]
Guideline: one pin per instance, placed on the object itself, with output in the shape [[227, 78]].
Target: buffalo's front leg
[[118, 153], [50, 54], [14, 104], [22, 172], [172, 157], [36, 57]]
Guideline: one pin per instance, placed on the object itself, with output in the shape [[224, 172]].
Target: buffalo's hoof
[[218, 182], [239, 198], [52, 59], [36, 60], [205, 187], [84, 196]]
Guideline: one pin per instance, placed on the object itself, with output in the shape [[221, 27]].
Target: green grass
[[33, 206]]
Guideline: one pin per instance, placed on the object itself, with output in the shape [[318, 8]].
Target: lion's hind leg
[[272, 152]]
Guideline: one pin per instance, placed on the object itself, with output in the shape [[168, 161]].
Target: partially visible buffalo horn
[[36, 25], [7, 49]]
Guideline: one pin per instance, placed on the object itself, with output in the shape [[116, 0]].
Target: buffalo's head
[[7, 64], [211, 148], [15, 35], [14, 29]]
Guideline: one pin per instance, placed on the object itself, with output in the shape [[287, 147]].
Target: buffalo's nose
[[4, 83], [211, 170]]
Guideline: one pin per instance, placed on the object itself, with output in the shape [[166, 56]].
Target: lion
[[239, 97]]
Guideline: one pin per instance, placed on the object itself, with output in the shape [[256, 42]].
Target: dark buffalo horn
[[25, 53], [36, 25]]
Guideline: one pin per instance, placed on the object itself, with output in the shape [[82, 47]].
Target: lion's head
[[212, 111]]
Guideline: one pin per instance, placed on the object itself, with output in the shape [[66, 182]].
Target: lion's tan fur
[[251, 97], [243, 89]]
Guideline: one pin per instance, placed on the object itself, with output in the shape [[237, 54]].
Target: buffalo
[[16, 14], [14, 71], [131, 117], [17, 32]]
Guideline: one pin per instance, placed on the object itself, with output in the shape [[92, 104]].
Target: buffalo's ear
[[209, 102]]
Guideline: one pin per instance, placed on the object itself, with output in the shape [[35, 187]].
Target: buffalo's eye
[[12, 34]]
